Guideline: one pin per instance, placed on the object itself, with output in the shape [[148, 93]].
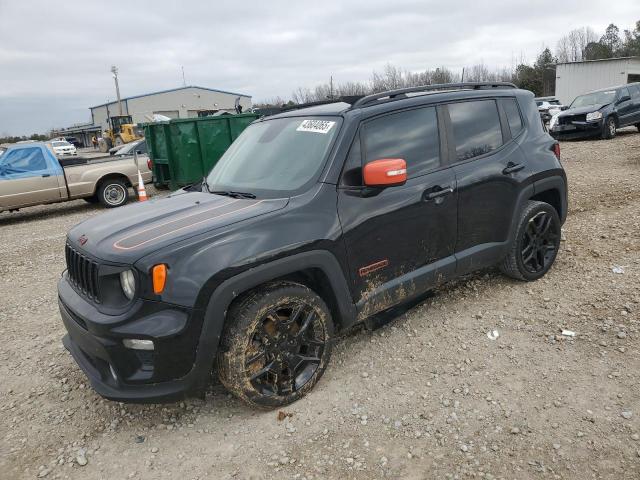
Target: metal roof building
[[576, 78], [182, 102]]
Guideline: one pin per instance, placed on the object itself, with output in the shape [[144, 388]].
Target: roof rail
[[401, 92], [350, 99]]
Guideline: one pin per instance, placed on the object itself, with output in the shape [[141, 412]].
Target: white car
[[62, 148]]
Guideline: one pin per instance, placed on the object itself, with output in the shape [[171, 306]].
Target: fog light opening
[[138, 344]]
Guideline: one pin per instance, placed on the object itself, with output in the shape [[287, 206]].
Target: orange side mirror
[[386, 172]]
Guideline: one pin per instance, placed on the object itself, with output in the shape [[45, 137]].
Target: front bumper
[[576, 130], [169, 372]]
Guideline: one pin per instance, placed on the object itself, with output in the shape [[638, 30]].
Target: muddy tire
[[610, 128], [638, 126], [113, 193], [275, 345], [536, 244]]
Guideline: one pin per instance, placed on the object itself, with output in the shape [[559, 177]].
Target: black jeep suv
[[313, 220], [599, 113]]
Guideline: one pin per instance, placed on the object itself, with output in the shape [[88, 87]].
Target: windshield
[[595, 98], [275, 157], [60, 144]]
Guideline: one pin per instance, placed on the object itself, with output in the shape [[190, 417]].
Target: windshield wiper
[[234, 194]]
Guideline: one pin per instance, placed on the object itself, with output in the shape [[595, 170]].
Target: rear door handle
[[512, 168], [440, 192]]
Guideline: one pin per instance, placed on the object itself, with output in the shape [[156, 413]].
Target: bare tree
[[571, 47]]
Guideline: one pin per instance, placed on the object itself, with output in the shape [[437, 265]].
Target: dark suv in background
[[599, 114], [314, 219]]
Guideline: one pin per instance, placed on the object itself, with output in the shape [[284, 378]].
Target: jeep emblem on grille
[[82, 240]]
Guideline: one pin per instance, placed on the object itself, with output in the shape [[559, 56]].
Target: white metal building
[[576, 78], [183, 102]]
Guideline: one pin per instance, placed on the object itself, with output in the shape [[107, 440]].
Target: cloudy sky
[[55, 56]]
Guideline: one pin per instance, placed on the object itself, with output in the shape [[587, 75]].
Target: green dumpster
[[184, 150]]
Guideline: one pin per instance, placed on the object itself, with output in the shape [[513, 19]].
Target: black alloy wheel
[[276, 344], [539, 243], [285, 350], [535, 245]]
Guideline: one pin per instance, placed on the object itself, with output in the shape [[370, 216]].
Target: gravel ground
[[427, 396]]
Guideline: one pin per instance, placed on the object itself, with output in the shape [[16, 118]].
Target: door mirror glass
[[385, 172]]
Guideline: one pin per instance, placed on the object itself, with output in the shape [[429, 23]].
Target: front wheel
[[536, 244], [113, 193], [276, 344], [609, 129]]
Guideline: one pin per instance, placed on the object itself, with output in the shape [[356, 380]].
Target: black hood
[[582, 110], [126, 234]]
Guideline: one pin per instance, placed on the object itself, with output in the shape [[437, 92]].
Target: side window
[[514, 119], [634, 90], [476, 128], [624, 92], [352, 173], [23, 161], [411, 135]]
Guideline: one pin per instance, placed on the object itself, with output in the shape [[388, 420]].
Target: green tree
[[632, 41], [597, 50], [611, 40]]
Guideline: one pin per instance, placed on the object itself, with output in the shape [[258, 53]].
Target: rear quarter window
[[476, 128], [514, 118]]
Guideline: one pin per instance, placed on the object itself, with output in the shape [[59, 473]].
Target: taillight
[[150, 165], [556, 150]]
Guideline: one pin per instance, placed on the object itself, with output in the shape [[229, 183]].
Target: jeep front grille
[[82, 273]]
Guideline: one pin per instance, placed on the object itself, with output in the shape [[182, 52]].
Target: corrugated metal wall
[[573, 79]]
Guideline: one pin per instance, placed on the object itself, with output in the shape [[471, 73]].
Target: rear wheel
[[113, 193], [610, 128], [536, 244], [638, 126], [276, 344]]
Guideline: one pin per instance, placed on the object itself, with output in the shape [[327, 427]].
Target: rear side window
[[23, 161], [513, 115], [476, 128], [411, 135], [624, 92]]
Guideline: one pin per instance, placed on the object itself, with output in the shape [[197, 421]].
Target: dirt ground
[[427, 396]]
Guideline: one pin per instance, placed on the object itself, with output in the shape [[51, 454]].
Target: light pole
[[114, 71]]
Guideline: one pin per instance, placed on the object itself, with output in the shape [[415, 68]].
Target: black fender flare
[[219, 302], [554, 183]]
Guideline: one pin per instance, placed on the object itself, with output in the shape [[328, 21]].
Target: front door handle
[[437, 192], [45, 175], [512, 168]]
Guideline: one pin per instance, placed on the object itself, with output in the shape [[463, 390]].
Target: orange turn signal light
[[159, 275]]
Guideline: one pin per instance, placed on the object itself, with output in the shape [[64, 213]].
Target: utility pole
[[331, 88], [114, 71], [184, 82]]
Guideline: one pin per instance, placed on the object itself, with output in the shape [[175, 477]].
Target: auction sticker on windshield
[[316, 126]]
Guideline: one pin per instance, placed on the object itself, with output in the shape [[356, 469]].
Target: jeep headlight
[[594, 116], [128, 283]]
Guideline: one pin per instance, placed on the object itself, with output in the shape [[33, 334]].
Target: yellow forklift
[[122, 131]]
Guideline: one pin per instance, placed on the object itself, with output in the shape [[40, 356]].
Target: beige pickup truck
[[31, 174]]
